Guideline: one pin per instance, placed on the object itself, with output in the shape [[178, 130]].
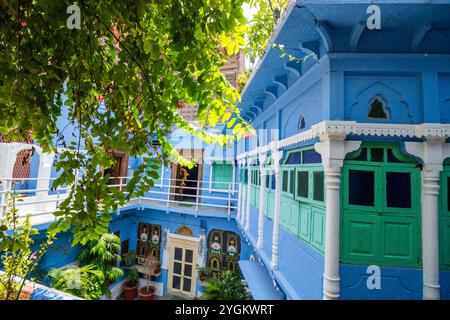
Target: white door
[[182, 266]]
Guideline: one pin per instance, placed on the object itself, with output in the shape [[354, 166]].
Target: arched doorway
[[25, 172]]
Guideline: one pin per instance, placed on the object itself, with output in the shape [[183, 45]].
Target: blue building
[[344, 191]]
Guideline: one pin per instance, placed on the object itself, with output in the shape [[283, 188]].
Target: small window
[[318, 178], [222, 175], [377, 110], [285, 183], [302, 184], [377, 154], [291, 181], [362, 187], [294, 158], [398, 189], [311, 156], [268, 181], [273, 182], [245, 176], [301, 123]]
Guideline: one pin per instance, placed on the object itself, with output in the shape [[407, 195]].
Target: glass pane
[[284, 185], [178, 254], [176, 282], [291, 182], [294, 158], [376, 154], [318, 178], [391, 157], [187, 285], [362, 156], [311, 156], [362, 187], [188, 270], [189, 255], [177, 268], [302, 184], [273, 182], [398, 189], [268, 181], [448, 193]]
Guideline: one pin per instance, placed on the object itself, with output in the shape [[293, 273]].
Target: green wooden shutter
[[222, 175]]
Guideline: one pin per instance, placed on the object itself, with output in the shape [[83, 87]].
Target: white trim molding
[[425, 130]]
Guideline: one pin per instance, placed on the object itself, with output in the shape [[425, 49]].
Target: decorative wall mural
[[149, 242], [224, 248]]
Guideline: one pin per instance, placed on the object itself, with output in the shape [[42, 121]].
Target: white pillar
[[247, 210], [433, 153], [333, 149], [239, 193], [44, 174], [276, 156], [262, 174], [244, 200]]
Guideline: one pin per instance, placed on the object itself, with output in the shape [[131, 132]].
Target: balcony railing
[[37, 197]]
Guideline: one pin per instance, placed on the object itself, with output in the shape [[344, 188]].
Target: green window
[[380, 207], [444, 218], [302, 207], [302, 184], [222, 176], [318, 183]]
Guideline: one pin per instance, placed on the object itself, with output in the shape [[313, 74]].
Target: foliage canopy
[[120, 80]]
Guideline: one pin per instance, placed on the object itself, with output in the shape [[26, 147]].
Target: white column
[[44, 173], [239, 193], [433, 153], [244, 200], [333, 149], [276, 156], [262, 174], [247, 209]]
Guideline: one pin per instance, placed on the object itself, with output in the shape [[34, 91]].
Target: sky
[[248, 12]]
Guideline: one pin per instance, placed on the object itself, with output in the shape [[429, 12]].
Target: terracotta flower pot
[[157, 270], [147, 293], [130, 292]]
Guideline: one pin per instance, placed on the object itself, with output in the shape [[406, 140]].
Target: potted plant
[[148, 292], [130, 287], [129, 259]]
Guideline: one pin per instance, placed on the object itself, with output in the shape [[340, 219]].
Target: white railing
[[35, 196]]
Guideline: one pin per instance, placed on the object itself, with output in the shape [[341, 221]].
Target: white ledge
[[344, 128]]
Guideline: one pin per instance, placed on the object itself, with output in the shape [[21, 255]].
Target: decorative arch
[[185, 231], [378, 109], [395, 104]]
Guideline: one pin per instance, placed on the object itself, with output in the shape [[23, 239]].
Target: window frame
[[213, 183]]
